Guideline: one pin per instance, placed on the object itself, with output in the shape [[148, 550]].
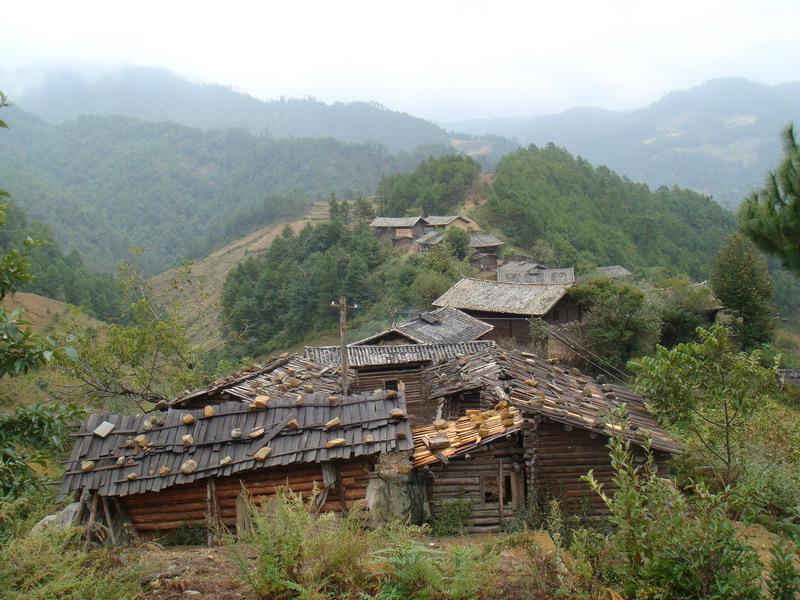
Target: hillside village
[[288, 349]]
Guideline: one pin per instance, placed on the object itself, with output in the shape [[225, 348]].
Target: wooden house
[[509, 307], [485, 248], [527, 272], [397, 367], [518, 430], [440, 326], [442, 223], [398, 231], [283, 425]]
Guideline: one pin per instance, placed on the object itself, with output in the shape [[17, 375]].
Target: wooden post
[[343, 341], [212, 509], [500, 486], [109, 524], [92, 518]]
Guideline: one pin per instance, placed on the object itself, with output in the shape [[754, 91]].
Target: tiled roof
[[612, 271], [484, 240], [441, 220], [154, 446], [364, 356], [443, 325], [279, 377], [541, 387], [493, 296], [394, 221]]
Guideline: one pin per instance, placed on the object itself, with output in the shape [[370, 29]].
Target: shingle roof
[[394, 221], [441, 220], [612, 271], [280, 377], [525, 272], [484, 240], [493, 296], [430, 238], [369, 424], [540, 387], [364, 356], [441, 326]]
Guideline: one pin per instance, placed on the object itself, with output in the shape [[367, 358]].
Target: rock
[[140, 440], [262, 453], [335, 422], [256, 433], [225, 460], [236, 433], [190, 466], [87, 465], [188, 419], [187, 440], [60, 520], [193, 593], [209, 411]]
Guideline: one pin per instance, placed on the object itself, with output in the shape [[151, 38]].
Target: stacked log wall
[[187, 504], [461, 478], [420, 410]]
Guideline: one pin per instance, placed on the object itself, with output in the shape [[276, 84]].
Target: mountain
[[104, 184], [155, 94], [719, 138]]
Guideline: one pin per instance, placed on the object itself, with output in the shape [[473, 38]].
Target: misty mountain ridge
[[719, 138], [156, 94]]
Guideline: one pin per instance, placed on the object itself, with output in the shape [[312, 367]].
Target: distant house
[[449, 221], [486, 248], [397, 367], [510, 306], [441, 326], [527, 272], [610, 272], [398, 231]]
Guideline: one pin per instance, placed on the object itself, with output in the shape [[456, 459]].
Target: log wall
[[420, 410], [474, 477], [187, 504]]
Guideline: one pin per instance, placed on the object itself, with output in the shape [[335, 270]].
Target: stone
[[236, 433], [225, 460], [256, 433], [188, 419], [209, 411], [87, 465], [187, 440], [189, 466], [336, 442], [262, 454], [164, 471], [140, 441]]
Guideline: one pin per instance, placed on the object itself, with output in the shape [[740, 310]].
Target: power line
[[624, 374]]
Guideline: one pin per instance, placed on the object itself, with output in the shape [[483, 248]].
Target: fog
[[440, 60]]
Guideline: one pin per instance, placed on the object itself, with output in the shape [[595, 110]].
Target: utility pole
[[343, 306]]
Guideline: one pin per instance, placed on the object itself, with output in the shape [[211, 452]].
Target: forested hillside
[[719, 138], [106, 184], [56, 275], [555, 204], [155, 94]]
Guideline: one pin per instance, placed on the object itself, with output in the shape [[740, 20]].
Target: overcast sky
[[437, 59]]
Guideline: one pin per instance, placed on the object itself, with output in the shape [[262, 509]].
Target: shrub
[[783, 582], [411, 571], [665, 545], [451, 516]]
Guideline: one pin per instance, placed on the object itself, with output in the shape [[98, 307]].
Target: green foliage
[[741, 281], [769, 217], [412, 571], [709, 391], [682, 306], [437, 186], [451, 516], [459, 241], [163, 186], [52, 564], [618, 322], [148, 359], [283, 295], [31, 435], [665, 545], [591, 216], [783, 582]]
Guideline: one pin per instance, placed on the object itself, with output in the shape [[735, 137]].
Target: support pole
[[500, 489], [343, 341], [107, 513]]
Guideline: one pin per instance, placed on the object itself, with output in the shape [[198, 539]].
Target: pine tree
[[742, 283], [771, 217]]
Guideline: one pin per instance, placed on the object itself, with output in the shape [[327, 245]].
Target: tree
[[740, 279], [363, 211], [771, 216], [459, 241], [709, 391], [619, 323]]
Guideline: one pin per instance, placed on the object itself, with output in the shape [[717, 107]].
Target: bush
[[451, 516], [783, 582]]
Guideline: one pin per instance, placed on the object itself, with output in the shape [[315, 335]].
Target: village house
[[520, 271], [440, 326], [286, 424], [442, 223], [397, 367], [400, 232], [509, 307], [516, 430], [485, 248]]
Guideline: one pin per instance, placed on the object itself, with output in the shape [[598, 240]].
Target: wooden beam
[[500, 489]]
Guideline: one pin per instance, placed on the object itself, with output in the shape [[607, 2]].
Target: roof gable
[[395, 221], [443, 325], [366, 356]]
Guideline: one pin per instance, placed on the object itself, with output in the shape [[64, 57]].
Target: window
[[556, 315], [391, 384], [490, 491]]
